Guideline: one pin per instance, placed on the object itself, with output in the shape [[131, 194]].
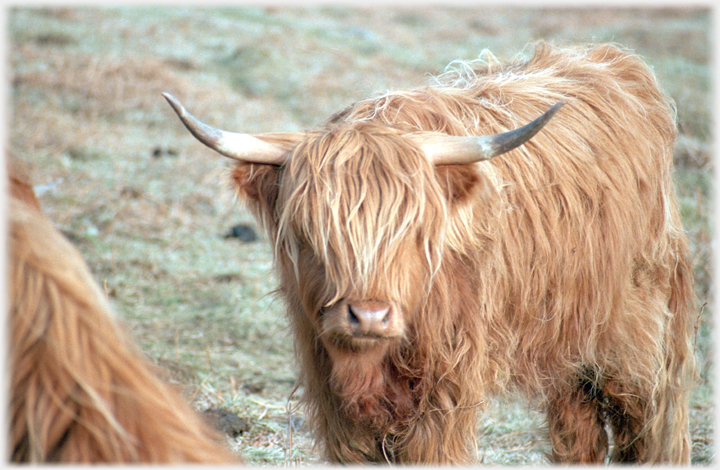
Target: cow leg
[[626, 421], [627, 412], [576, 426]]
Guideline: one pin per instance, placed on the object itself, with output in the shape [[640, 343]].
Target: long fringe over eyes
[[355, 195]]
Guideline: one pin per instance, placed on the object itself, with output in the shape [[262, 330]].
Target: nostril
[[352, 318]]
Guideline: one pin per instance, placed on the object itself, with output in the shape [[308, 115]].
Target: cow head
[[358, 213]]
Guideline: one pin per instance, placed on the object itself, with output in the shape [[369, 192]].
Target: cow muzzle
[[360, 324], [372, 319]]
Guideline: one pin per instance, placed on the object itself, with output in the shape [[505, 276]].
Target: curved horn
[[449, 150], [243, 147]]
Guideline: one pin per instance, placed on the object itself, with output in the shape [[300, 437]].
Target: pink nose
[[369, 318]]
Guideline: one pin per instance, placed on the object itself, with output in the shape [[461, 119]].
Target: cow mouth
[[356, 343]]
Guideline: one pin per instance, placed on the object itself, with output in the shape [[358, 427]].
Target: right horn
[[243, 147], [453, 150]]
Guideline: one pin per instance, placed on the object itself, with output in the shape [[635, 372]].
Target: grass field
[[148, 206]]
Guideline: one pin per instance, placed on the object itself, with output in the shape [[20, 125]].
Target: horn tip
[[557, 106], [172, 100]]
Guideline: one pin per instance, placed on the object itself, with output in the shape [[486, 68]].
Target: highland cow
[[431, 251], [80, 390]]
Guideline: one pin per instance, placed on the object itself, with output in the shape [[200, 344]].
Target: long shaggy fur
[[559, 268], [81, 392]]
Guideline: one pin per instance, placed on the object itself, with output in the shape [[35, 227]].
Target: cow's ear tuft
[[461, 183], [257, 185]]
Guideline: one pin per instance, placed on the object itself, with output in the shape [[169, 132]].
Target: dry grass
[[86, 113]]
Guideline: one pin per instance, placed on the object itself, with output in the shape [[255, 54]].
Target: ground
[[149, 207]]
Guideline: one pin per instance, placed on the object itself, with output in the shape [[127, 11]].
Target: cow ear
[[257, 186], [461, 183]]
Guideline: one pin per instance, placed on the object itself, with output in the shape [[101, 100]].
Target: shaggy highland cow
[[81, 392], [420, 274]]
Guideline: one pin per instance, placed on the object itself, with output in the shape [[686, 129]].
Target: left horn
[[243, 147], [453, 150]]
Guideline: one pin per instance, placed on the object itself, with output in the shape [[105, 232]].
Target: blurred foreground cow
[[419, 276], [80, 390]]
